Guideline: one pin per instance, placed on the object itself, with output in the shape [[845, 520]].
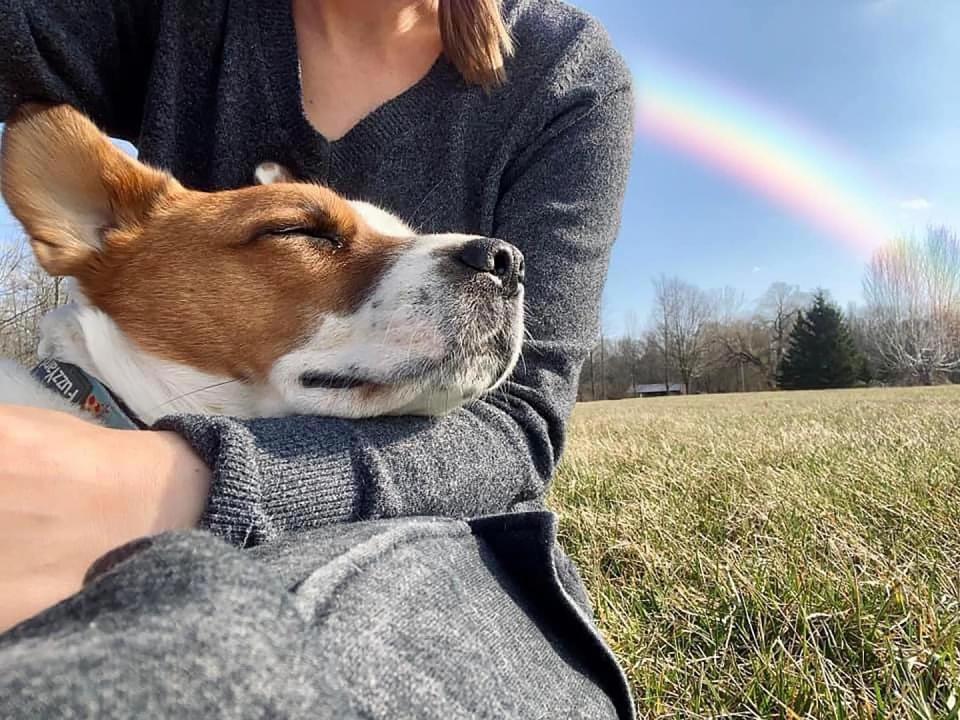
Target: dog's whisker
[[213, 386], [423, 200], [389, 327]]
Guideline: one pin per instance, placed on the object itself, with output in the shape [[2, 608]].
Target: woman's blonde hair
[[475, 40]]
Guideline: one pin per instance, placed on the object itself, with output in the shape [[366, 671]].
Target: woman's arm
[[563, 196], [93, 54]]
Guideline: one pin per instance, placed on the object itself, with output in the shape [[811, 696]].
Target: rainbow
[[772, 155]]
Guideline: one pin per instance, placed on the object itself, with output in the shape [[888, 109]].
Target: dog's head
[[333, 307]]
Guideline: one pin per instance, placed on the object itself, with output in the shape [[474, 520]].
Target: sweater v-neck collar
[[383, 125]]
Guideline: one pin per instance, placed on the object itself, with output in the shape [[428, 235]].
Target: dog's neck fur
[[83, 335]]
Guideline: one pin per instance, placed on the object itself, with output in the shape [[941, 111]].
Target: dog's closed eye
[[321, 239], [318, 238]]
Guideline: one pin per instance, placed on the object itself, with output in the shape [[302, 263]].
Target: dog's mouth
[[420, 374], [331, 381], [355, 379]]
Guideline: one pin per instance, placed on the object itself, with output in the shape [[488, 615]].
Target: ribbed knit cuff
[[272, 476]]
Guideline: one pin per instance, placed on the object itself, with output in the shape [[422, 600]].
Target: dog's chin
[[395, 357], [434, 397], [437, 401], [362, 399], [419, 388]]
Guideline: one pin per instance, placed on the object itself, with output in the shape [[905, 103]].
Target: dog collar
[[87, 393]]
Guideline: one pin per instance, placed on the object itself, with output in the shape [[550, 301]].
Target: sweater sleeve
[[93, 54], [563, 194]]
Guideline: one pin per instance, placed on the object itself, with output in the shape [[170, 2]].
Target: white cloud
[[757, 268], [916, 203]]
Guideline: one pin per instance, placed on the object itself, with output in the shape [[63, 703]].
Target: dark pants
[[409, 618]]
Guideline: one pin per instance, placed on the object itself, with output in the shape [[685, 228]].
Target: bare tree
[[739, 340], [860, 334], [12, 258], [682, 317], [631, 347], [26, 294], [664, 312], [603, 365], [912, 314], [777, 310]]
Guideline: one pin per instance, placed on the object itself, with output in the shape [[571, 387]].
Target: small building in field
[[657, 390]]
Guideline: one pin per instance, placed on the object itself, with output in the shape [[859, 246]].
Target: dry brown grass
[[774, 555]]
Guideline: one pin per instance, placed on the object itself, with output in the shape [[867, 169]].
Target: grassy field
[[774, 555]]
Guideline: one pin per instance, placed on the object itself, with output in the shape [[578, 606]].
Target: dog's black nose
[[496, 257]]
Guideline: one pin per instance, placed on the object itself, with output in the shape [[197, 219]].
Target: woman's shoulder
[[562, 49]]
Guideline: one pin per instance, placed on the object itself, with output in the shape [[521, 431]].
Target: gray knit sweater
[[209, 88]]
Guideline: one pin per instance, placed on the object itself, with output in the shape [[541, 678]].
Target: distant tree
[[778, 310], [631, 348], [26, 294], [739, 342], [912, 292], [860, 334], [747, 347], [742, 346], [821, 353], [682, 316], [665, 311], [650, 365], [628, 361]]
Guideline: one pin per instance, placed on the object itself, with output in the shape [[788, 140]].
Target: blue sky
[[875, 78]]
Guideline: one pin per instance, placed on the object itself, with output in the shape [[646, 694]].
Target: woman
[[352, 593]]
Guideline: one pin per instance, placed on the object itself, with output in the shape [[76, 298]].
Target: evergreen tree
[[821, 353]]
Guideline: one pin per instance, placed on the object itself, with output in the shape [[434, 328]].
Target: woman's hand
[[71, 490]]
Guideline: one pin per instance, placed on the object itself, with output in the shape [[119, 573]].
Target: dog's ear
[[69, 185], [268, 173]]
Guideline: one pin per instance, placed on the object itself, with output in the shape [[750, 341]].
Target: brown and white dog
[[276, 299]]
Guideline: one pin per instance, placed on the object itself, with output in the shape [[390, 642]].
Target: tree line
[[906, 331], [27, 293]]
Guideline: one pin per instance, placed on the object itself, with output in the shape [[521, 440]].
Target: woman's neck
[[356, 55], [375, 25]]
